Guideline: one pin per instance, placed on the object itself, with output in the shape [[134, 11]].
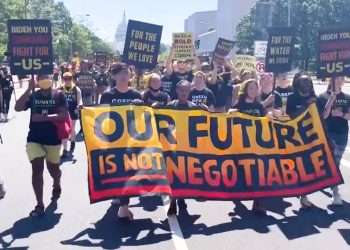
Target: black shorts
[[73, 115]]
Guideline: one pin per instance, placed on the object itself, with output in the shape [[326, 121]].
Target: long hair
[[296, 82], [243, 92]]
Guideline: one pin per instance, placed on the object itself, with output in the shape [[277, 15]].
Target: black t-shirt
[[71, 95], [278, 100], [337, 125], [6, 84], [45, 133], [168, 86], [177, 105], [284, 93], [101, 78], [253, 109], [149, 98], [85, 81], [295, 102], [176, 77], [222, 90], [200, 97], [113, 96]]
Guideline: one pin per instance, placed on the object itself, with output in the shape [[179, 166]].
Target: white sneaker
[[115, 201], [125, 213], [336, 200], [2, 189]]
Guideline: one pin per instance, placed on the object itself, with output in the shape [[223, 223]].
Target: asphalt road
[[73, 223]]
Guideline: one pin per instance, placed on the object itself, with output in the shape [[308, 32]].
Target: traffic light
[[197, 44]]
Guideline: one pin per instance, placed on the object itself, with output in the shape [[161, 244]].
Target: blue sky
[[104, 15]]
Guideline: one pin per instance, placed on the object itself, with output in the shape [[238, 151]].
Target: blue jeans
[[339, 143]]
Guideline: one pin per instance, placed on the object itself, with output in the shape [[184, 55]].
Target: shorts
[[51, 153]]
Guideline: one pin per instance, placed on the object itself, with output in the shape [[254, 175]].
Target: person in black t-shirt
[[153, 96], [248, 104], [74, 99], [183, 89], [101, 78], [272, 102], [303, 96], [284, 89], [6, 88], [200, 95], [47, 107], [86, 82], [121, 94], [336, 106], [179, 71]]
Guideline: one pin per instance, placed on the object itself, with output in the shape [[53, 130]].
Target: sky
[[105, 15]]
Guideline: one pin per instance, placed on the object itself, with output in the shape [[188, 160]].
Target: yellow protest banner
[[245, 62], [183, 43]]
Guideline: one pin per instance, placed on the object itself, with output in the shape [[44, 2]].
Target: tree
[[307, 16]]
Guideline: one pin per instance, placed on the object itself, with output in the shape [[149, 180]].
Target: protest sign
[[100, 58], [245, 62], [205, 155], [280, 49], [142, 44], [30, 46], [223, 48], [183, 43], [260, 48], [333, 53]]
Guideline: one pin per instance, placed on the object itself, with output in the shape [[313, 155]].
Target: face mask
[[45, 84]]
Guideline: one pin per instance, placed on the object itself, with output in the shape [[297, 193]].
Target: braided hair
[[296, 82]]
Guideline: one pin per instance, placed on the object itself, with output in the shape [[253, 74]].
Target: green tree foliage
[[67, 35], [307, 16]]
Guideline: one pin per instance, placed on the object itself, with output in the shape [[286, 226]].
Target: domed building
[[119, 38]]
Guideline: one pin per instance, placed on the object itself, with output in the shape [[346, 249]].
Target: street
[[73, 223]]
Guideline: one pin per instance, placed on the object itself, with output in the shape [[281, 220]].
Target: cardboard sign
[[280, 49], [100, 58], [245, 62], [183, 43], [223, 48], [142, 44], [260, 48], [30, 46], [333, 53]]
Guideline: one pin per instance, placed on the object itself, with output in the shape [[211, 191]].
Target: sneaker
[[2, 189], [258, 209], [172, 209], [182, 204], [72, 147], [336, 200], [125, 213], [115, 201], [65, 154], [305, 203]]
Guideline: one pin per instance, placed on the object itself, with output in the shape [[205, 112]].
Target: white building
[[120, 35], [225, 20]]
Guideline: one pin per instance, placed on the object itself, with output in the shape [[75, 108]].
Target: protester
[[337, 114], [249, 104], [47, 108], [6, 91], [183, 89], [121, 94], [55, 77], [101, 79], [200, 95], [271, 101], [153, 96], [139, 80], [302, 96], [74, 99], [284, 89]]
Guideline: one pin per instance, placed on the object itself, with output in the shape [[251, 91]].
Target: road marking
[[176, 234]]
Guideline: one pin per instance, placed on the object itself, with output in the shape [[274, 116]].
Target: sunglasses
[[183, 62]]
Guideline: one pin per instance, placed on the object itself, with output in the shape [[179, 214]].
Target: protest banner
[[333, 53], [260, 48], [280, 49], [206, 155], [183, 43], [142, 44], [101, 58], [30, 46], [223, 48], [245, 62]]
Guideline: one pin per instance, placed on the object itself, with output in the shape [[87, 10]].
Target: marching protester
[[154, 96], [271, 101], [200, 95], [49, 109], [6, 88], [74, 99], [121, 94], [248, 104], [303, 95], [183, 89], [101, 78], [284, 89], [56, 74], [337, 114]]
